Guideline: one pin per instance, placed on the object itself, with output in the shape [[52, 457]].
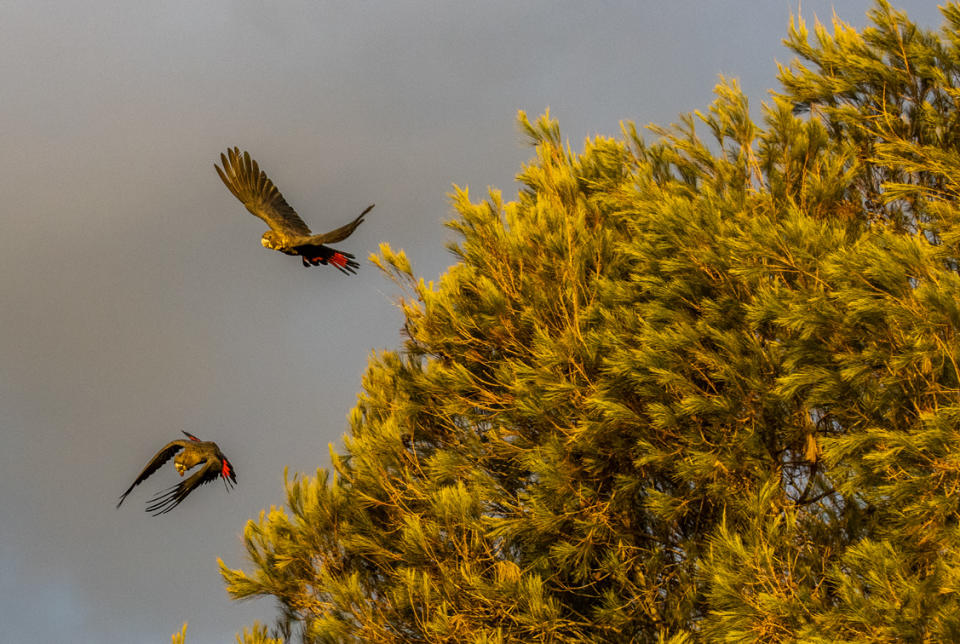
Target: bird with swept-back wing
[[288, 233], [186, 455]]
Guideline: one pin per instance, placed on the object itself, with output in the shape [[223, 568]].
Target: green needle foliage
[[700, 389]]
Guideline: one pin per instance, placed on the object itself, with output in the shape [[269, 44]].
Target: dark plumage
[[288, 234], [194, 452]]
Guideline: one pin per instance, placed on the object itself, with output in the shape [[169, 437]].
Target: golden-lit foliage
[[181, 637], [687, 390]]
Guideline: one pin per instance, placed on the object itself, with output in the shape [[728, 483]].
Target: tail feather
[[342, 261]]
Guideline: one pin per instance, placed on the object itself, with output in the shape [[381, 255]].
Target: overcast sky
[[136, 300]]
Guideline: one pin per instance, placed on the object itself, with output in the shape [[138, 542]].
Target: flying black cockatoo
[[288, 234], [195, 452]]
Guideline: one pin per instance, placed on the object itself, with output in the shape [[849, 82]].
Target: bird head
[[187, 459], [269, 240]]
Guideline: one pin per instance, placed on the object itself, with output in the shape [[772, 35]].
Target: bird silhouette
[[194, 452], [288, 233]]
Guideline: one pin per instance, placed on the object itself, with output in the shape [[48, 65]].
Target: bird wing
[[155, 464], [340, 233], [248, 183], [167, 500]]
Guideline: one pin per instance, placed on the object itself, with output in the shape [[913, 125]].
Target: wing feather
[[340, 233], [167, 500], [155, 464], [256, 191]]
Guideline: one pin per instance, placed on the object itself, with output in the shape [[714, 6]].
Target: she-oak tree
[[693, 390]]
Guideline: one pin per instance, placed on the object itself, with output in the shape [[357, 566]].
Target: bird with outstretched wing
[[288, 233], [188, 454]]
